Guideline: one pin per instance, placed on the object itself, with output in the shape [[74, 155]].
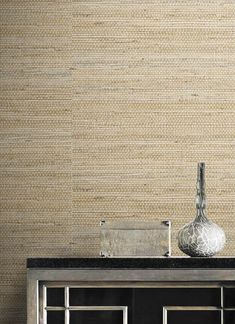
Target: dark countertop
[[133, 263]]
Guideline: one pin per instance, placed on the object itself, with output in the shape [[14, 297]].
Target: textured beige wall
[[106, 107]]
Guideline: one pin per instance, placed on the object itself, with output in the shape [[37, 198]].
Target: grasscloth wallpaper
[[106, 108]]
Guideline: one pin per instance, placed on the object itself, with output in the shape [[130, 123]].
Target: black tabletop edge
[[133, 263]]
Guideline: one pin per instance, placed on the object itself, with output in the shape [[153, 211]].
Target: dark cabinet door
[[55, 317], [170, 305], [229, 317], [96, 317], [100, 296], [186, 316], [151, 304]]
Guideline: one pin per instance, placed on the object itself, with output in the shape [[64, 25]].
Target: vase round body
[[201, 237]]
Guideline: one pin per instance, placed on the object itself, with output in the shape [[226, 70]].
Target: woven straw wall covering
[[106, 108]]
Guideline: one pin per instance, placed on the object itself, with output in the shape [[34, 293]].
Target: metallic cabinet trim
[[222, 304], [124, 310], [192, 308], [66, 298], [32, 299], [121, 278], [86, 308], [130, 284], [44, 303], [140, 275], [67, 310]]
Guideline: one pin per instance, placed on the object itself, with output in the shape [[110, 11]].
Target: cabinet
[[125, 291]]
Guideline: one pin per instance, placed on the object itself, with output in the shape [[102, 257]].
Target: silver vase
[[202, 237]]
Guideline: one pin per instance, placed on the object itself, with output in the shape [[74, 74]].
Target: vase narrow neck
[[201, 195]]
